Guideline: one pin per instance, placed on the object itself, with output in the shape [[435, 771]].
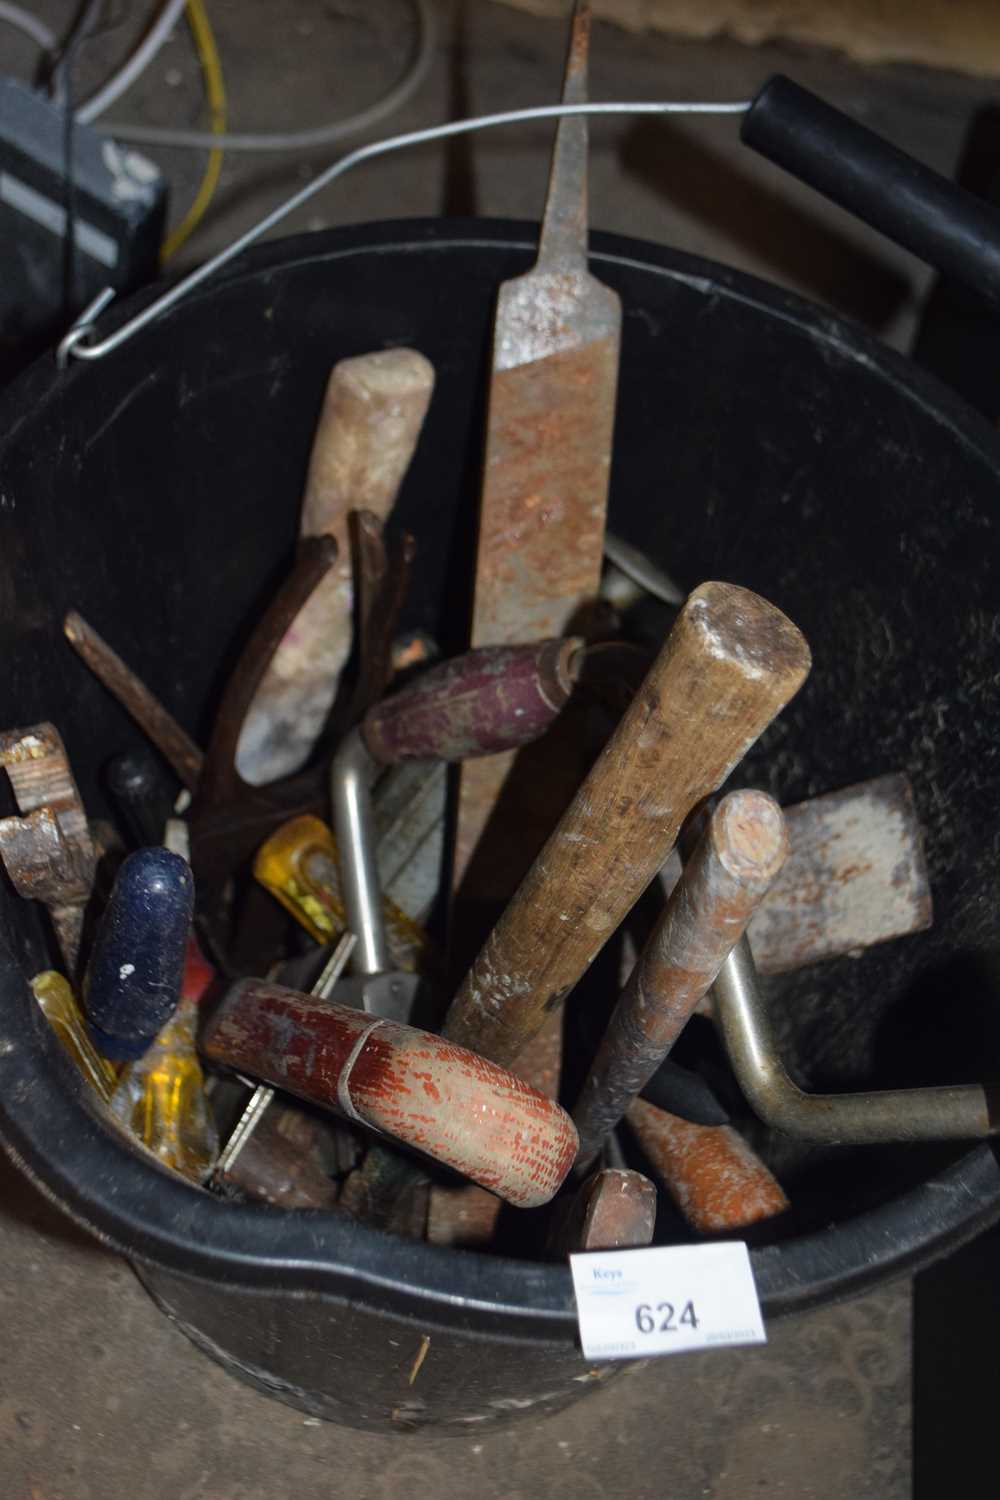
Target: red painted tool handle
[[495, 698], [437, 1098]]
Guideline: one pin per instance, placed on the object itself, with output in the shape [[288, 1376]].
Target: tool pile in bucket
[[333, 1054]]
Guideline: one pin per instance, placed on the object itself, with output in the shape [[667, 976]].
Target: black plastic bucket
[[759, 440]]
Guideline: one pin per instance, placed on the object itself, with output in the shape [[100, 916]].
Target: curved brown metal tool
[[382, 580], [156, 722], [228, 817]]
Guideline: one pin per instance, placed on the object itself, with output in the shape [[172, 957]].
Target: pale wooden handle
[[372, 414], [373, 410], [730, 664]]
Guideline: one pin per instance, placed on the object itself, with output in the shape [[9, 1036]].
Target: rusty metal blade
[[856, 876], [548, 440]]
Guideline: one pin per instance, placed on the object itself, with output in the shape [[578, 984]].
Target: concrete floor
[[101, 1398], [99, 1395]]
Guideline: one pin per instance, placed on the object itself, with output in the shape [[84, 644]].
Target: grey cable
[[75, 341], [135, 65], [22, 20], [320, 135]]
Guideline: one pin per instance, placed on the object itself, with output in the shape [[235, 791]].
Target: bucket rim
[[138, 1208]]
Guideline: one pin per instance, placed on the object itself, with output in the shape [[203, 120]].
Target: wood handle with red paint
[[495, 698], [730, 664], [739, 854], [713, 1176], [410, 1085]]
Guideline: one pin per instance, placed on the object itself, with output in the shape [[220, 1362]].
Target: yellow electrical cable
[[208, 57]]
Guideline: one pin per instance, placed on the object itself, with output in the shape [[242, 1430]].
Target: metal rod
[[642, 570], [174, 743], [262, 1094], [959, 1112], [350, 782], [74, 343]]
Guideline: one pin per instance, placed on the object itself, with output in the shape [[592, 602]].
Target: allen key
[[969, 1111]]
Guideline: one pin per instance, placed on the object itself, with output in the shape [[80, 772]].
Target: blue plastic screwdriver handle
[[137, 965]]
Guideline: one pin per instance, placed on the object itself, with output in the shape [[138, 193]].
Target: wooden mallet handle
[[730, 664], [410, 1085]]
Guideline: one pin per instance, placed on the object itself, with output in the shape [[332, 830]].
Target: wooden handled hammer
[[730, 664]]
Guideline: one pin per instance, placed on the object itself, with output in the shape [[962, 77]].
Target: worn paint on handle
[[442, 1100], [487, 700]]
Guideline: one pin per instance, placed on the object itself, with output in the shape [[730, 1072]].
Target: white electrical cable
[[23, 20], [135, 65], [320, 135]]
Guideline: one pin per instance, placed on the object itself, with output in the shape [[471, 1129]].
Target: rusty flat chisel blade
[[548, 439]]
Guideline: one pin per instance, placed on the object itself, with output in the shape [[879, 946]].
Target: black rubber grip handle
[[943, 224]]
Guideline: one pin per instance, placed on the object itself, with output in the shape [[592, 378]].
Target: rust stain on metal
[[856, 876], [548, 439], [713, 1176]]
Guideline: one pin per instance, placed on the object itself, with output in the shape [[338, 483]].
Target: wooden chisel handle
[[739, 854], [367, 433], [495, 698], [713, 1176], [410, 1085], [730, 664]]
